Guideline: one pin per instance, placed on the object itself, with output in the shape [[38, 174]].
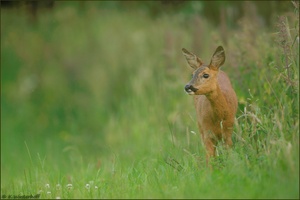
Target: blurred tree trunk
[[197, 36], [223, 24], [32, 10], [250, 12], [168, 51], [34, 6]]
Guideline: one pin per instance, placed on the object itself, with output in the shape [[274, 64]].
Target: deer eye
[[205, 75]]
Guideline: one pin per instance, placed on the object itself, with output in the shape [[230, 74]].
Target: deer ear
[[192, 59], [217, 59]]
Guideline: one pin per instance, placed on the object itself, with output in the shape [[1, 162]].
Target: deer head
[[204, 78]]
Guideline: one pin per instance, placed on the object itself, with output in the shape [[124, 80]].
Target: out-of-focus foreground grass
[[94, 98]]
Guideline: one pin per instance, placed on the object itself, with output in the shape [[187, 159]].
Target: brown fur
[[215, 101]]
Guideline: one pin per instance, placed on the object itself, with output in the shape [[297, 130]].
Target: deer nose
[[187, 87], [190, 88]]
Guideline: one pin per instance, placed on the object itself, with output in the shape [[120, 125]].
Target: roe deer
[[214, 98]]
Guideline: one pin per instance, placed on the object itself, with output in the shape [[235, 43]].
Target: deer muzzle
[[190, 89]]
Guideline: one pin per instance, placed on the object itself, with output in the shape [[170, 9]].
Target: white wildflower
[[87, 186], [69, 186], [193, 132], [47, 185]]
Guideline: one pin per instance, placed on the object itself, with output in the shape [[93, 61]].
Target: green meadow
[[93, 105]]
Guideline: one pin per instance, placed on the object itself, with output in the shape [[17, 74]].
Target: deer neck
[[218, 104]]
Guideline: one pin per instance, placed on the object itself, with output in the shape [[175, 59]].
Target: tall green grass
[[95, 98]]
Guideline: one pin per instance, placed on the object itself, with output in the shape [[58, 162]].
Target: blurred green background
[[86, 82]]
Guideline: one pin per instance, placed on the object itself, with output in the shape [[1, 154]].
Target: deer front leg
[[210, 146], [210, 149], [228, 141], [209, 143], [227, 137]]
